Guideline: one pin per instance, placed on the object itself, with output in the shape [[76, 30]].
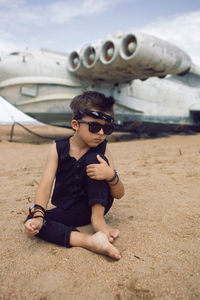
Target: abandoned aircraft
[[152, 81]]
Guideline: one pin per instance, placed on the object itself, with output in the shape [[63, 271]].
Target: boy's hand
[[33, 226], [101, 171]]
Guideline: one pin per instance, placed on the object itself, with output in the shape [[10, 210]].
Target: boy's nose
[[101, 131]]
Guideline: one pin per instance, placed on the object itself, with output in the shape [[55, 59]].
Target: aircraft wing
[[123, 58]]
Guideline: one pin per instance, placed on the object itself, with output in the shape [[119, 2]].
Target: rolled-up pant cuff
[[67, 236], [102, 202]]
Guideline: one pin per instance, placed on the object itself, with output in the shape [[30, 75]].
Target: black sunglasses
[[95, 127]]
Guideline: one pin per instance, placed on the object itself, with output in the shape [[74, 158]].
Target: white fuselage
[[40, 84]]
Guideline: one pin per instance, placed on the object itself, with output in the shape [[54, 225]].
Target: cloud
[[57, 12], [63, 12], [181, 30], [30, 23], [18, 16], [22, 21]]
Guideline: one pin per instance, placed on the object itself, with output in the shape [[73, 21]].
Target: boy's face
[[83, 130]]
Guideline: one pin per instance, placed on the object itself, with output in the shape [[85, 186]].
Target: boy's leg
[[99, 224], [77, 215], [97, 243], [59, 223], [80, 214], [69, 236], [100, 201], [56, 233]]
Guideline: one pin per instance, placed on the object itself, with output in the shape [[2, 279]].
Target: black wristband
[[31, 213], [113, 178], [115, 182]]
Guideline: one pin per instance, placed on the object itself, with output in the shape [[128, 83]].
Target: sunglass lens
[[108, 129], [94, 127]]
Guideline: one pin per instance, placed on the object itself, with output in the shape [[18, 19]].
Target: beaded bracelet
[[38, 210], [34, 217]]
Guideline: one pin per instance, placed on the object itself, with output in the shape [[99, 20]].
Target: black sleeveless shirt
[[70, 174]]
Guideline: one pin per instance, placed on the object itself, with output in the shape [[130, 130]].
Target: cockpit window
[[14, 53]]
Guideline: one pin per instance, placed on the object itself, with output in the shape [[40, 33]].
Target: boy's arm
[[116, 186], [46, 183], [32, 226], [103, 171]]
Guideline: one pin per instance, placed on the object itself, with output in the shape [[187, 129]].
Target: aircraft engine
[[128, 57], [94, 61], [74, 62], [108, 52], [153, 56], [89, 57], [83, 64]]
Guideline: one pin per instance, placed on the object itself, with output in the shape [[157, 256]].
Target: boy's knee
[[91, 158]]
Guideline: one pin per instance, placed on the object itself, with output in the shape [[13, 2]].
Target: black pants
[[59, 222]]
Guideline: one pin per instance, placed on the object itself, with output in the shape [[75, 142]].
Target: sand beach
[[158, 219]]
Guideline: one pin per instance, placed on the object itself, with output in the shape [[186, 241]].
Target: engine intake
[[108, 52], [128, 57], [151, 56], [89, 57], [129, 45], [74, 61]]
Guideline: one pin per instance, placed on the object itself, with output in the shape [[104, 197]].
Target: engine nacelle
[[133, 56], [89, 57], [150, 55], [93, 61], [74, 62]]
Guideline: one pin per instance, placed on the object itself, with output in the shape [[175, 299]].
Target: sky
[[71, 24]]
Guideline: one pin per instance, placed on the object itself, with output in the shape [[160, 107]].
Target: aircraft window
[[14, 53]]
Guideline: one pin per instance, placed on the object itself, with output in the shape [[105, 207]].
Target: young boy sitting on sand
[[86, 181]]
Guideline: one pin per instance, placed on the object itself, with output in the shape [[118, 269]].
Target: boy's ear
[[75, 125]]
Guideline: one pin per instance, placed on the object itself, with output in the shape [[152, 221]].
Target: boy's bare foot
[[112, 233], [99, 243]]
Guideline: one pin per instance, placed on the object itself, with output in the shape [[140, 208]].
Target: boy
[[86, 182]]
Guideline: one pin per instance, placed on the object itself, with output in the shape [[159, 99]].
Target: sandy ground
[[159, 220]]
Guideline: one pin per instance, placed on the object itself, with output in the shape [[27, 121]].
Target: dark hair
[[91, 99]]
